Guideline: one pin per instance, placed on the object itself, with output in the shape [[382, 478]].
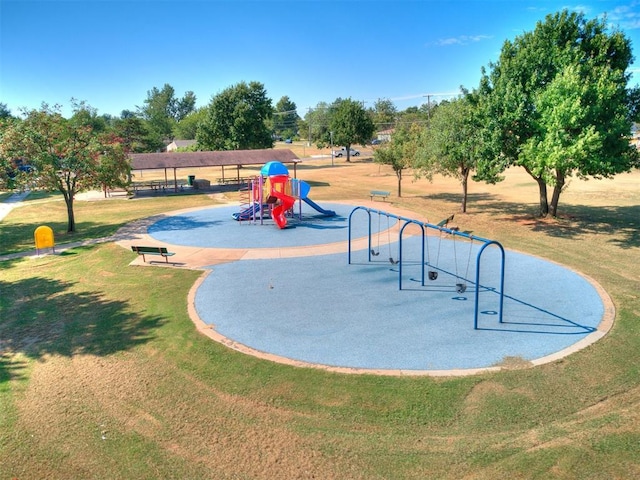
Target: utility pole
[[331, 141], [428, 97]]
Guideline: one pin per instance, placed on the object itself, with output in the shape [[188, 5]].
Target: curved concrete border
[[198, 258], [603, 328]]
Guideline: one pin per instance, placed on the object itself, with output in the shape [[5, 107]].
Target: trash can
[[190, 180]]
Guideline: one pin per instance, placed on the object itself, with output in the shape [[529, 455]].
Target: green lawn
[[102, 374]]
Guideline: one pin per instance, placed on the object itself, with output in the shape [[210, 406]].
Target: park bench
[[378, 193], [161, 251]]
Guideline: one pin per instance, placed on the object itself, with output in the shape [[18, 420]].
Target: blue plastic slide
[[315, 206], [248, 213]]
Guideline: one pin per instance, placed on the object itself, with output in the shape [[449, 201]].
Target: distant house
[[635, 135], [385, 135], [176, 144]]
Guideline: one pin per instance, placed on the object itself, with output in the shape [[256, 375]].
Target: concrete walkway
[[12, 202]]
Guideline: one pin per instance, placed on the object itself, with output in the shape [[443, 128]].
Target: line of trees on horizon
[[164, 117]]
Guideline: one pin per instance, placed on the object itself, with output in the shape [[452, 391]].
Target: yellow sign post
[[43, 236]]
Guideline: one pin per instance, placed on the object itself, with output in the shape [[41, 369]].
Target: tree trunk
[[71, 221], [399, 175], [465, 187], [542, 188], [544, 202], [557, 190]]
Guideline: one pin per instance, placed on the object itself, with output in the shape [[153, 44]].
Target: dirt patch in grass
[[102, 401]]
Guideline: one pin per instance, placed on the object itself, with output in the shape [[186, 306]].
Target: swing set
[[375, 252], [433, 267]]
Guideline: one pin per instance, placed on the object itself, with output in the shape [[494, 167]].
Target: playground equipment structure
[[276, 192], [433, 268]]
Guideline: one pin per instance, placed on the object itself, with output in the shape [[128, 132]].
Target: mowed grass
[[102, 374]]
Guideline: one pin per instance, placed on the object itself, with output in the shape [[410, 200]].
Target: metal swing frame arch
[[425, 226]]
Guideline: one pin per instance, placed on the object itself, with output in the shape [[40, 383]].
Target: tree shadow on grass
[[40, 317], [622, 223]]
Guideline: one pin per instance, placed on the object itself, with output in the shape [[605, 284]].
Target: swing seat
[[433, 275], [461, 287], [374, 253], [445, 222]]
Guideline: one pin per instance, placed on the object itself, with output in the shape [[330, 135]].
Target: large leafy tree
[[558, 105], [236, 119], [67, 154], [400, 153], [318, 121], [350, 124], [7, 171], [135, 135], [187, 128], [285, 118], [451, 142], [163, 110]]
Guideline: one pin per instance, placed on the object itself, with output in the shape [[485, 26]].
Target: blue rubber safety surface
[[323, 310], [216, 228]]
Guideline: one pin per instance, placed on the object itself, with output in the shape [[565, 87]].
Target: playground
[[104, 368], [359, 289]]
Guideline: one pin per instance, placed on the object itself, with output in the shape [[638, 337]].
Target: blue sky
[[110, 53]]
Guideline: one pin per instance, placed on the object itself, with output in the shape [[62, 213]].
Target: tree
[[413, 115], [285, 118], [401, 151], [163, 110], [557, 104], [113, 169], [135, 136], [451, 142], [65, 154], [5, 112], [236, 119], [384, 114], [84, 115], [318, 121], [350, 124], [187, 128]]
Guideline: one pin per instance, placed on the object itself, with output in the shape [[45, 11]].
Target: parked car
[[288, 140], [376, 141], [343, 152]]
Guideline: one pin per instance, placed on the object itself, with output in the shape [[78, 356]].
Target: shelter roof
[[152, 161]]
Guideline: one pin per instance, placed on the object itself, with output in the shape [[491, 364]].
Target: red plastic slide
[[286, 202]]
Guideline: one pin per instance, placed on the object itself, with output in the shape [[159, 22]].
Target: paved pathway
[[12, 202]]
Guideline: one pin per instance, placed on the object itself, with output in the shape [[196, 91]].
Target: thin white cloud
[[460, 40], [627, 16], [572, 8]]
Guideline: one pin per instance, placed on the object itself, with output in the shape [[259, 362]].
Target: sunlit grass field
[[102, 374]]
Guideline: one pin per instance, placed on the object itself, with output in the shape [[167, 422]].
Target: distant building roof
[[180, 144], [152, 161]]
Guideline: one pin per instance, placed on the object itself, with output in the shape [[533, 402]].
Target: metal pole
[[331, 141]]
